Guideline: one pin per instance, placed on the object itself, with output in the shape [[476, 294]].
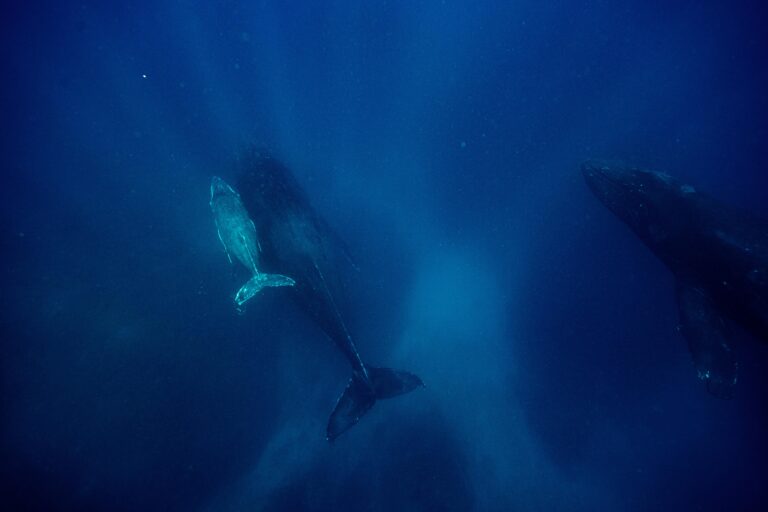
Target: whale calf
[[238, 236], [297, 242], [718, 254]]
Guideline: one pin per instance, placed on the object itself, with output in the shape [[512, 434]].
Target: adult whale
[[718, 254], [295, 241]]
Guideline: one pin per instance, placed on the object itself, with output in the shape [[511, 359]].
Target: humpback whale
[[297, 242], [717, 253], [237, 234]]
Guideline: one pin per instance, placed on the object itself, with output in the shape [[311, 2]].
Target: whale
[[296, 241], [717, 253], [237, 234]]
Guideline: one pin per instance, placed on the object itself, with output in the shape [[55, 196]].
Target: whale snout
[[589, 168], [594, 170], [600, 178], [219, 186]]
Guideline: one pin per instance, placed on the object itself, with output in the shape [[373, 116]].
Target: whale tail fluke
[[359, 396], [259, 281]]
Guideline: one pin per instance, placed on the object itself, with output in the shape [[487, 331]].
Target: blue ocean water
[[442, 141]]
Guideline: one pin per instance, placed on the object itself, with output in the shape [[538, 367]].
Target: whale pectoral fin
[[336, 245], [707, 334], [255, 235], [255, 284], [251, 257], [226, 249]]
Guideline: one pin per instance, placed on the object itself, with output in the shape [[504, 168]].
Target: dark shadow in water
[[415, 465]]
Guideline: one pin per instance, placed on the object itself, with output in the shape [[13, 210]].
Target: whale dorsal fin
[[707, 334]]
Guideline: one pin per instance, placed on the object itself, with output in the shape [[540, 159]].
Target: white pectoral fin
[[707, 334], [258, 282], [252, 258], [255, 236], [226, 249]]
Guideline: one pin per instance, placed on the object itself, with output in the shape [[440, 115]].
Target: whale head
[[651, 203], [220, 188]]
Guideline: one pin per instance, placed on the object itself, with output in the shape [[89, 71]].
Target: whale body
[[297, 242], [237, 234], [718, 254]]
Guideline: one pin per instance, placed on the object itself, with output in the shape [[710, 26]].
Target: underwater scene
[[384, 256]]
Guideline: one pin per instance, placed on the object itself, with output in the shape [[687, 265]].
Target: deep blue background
[[442, 140]]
